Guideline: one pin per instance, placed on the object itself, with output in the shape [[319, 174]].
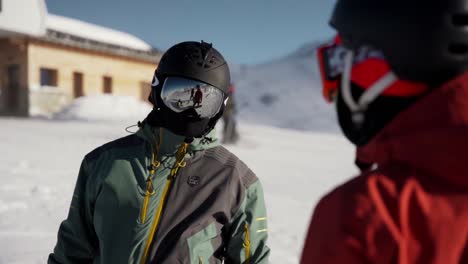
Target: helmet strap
[[359, 108]]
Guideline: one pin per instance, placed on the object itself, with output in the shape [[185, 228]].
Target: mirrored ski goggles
[[331, 62], [180, 94]]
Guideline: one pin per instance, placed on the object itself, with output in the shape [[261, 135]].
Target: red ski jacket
[[414, 207]]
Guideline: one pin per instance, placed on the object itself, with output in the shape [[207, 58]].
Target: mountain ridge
[[284, 92]]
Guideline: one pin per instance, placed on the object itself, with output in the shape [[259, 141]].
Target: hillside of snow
[[284, 93]]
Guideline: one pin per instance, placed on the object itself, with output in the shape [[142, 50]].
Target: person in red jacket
[[197, 99], [398, 74]]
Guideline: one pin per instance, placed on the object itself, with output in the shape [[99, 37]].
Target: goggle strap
[[370, 94], [346, 81], [377, 88]]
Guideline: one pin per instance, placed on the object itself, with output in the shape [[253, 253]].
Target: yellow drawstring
[[180, 156], [179, 163], [247, 243], [155, 164], [149, 192], [154, 158]]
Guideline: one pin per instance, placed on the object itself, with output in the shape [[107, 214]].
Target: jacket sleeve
[[328, 239], [75, 235], [248, 236]]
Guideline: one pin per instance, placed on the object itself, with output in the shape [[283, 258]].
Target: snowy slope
[[40, 161], [284, 93]]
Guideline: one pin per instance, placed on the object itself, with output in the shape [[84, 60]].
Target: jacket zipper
[[155, 164], [149, 192], [179, 163], [247, 243]]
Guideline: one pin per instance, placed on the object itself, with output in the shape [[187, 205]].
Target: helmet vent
[[460, 20], [458, 49]]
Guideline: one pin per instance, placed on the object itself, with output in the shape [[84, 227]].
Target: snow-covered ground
[[40, 158]]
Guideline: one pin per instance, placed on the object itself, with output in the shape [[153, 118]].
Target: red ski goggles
[[331, 61], [368, 66]]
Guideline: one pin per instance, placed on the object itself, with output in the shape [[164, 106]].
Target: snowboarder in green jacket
[[169, 193]]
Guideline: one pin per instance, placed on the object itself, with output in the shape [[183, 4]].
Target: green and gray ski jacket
[[130, 207]]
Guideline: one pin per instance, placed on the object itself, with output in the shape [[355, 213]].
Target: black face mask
[[187, 123], [379, 113], [180, 124]]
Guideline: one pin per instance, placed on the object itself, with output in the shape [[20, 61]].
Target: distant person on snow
[[398, 72], [230, 135], [168, 193], [192, 92], [197, 99]]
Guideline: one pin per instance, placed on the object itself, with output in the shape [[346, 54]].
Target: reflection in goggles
[[331, 64], [180, 94], [335, 56]]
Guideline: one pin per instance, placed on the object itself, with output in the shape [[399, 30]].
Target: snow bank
[[94, 32], [105, 108]]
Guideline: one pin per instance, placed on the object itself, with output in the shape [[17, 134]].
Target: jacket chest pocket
[[201, 245]]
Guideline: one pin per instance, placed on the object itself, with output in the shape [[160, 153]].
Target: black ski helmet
[[191, 60], [424, 41]]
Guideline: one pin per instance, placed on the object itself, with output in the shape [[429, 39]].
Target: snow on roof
[[94, 32]]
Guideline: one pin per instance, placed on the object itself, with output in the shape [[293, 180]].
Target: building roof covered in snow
[[35, 22], [93, 32], [80, 34]]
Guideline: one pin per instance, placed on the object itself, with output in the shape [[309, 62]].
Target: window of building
[[78, 90], [12, 92], [48, 77], [145, 89], [107, 83]]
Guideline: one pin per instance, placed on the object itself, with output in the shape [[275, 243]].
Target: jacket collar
[[170, 142], [431, 135]]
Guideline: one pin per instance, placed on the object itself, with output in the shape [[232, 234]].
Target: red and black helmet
[[423, 41]]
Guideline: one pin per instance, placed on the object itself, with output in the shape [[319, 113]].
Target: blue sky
[[244, 31]]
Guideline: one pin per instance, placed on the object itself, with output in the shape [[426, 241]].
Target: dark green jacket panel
[[121, 172], [105, 200], [78, 242]]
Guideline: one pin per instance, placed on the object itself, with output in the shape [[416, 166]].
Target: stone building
[[46, 61]]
